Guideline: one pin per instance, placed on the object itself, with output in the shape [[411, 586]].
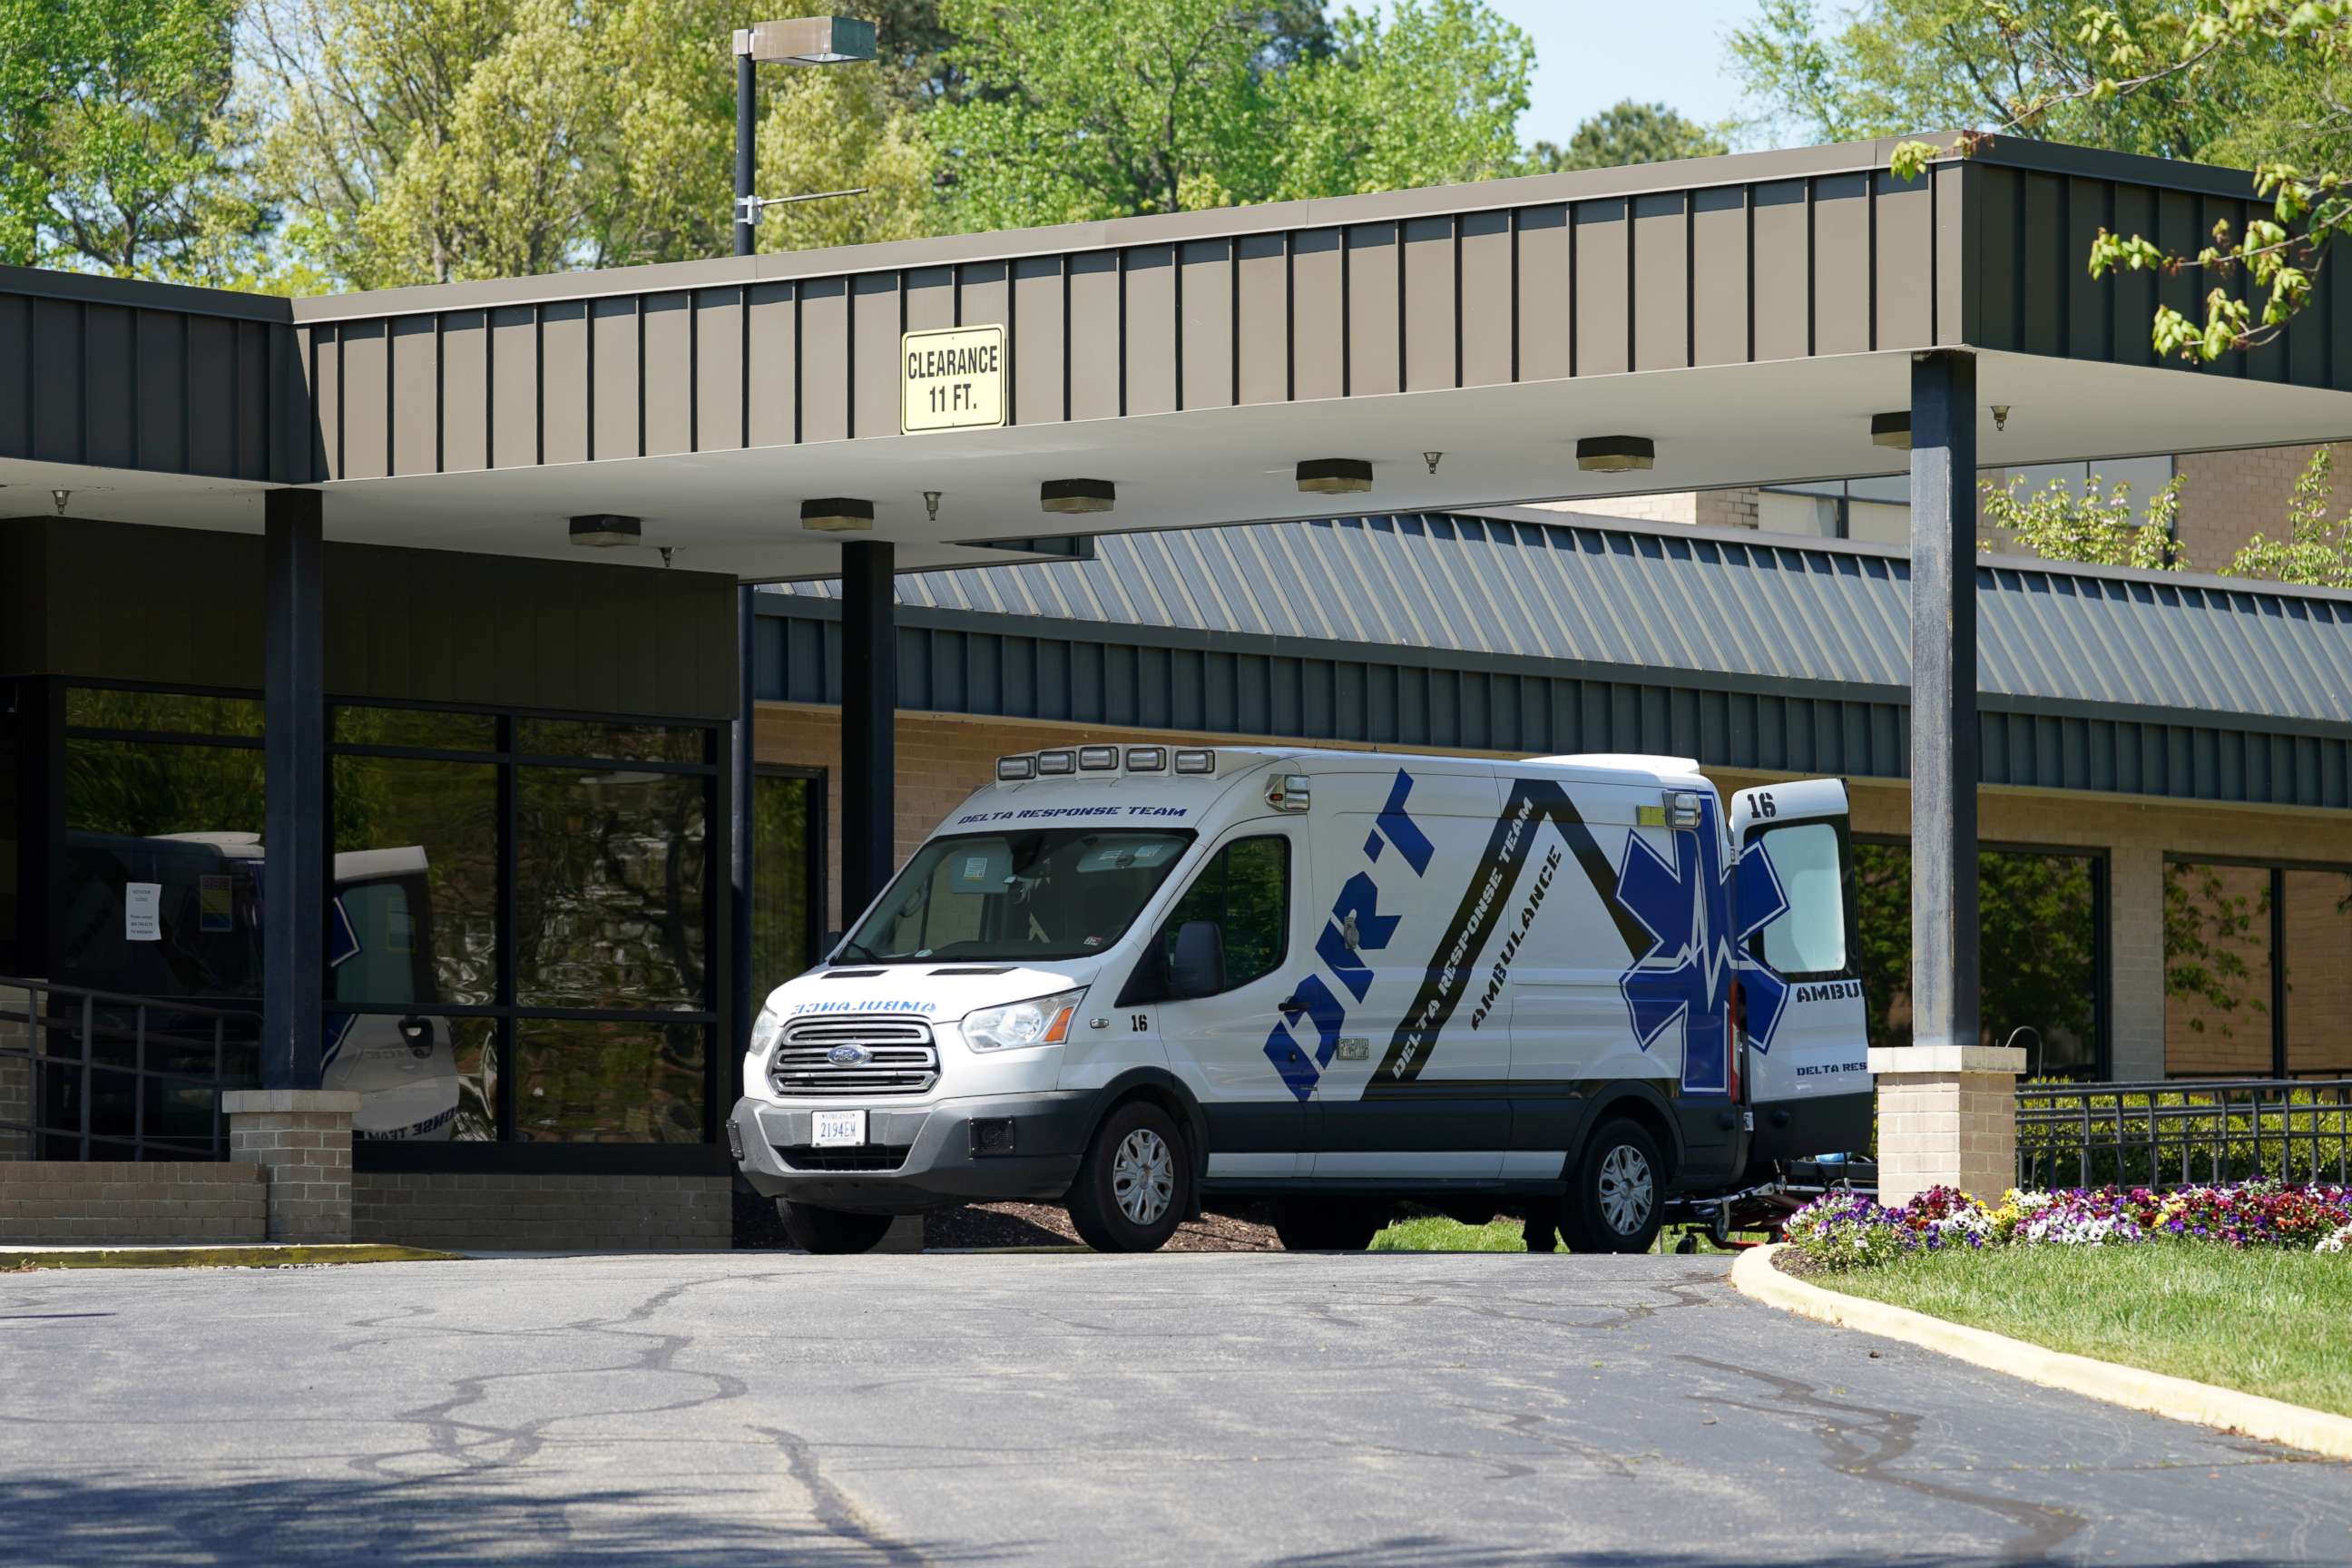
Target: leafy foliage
[[118, 144], [2058, 522], [1628, 132], [2316, 551]]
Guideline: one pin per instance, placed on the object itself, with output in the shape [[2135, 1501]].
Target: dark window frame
[[817, 871], [44, 699]]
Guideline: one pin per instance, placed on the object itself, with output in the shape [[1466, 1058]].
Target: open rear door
[[1805, 1069]]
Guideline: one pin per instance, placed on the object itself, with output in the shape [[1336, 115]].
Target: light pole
[[803, 41]]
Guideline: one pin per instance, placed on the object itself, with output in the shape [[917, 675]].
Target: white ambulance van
[[1128, 978]]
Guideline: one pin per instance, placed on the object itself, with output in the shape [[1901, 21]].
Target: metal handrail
[[2184, 1133], [61, 1087]]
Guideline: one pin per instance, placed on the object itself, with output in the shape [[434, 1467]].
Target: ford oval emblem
[[846, 1056]]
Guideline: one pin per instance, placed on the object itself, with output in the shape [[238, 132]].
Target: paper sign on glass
[[142, 911]]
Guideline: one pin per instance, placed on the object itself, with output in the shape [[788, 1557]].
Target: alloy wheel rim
[[1143, 1176], [1626, 1189]]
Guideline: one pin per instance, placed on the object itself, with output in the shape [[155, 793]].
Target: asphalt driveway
[[1359, 1411]]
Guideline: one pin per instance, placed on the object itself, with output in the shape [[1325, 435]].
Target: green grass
[[1435, 1232], [2268, 1322]]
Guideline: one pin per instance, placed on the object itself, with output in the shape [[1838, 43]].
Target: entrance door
[[1805, 1047]]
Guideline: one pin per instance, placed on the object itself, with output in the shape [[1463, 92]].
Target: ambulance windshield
[[1057, 893]]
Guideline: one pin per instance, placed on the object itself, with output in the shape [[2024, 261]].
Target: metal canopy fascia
[[1750, 311]]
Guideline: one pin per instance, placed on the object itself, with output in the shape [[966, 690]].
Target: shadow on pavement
[[127, 1521], [1436, 1552]]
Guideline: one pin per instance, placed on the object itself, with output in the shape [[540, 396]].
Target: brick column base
[[1947, 1117], [301, 1138]]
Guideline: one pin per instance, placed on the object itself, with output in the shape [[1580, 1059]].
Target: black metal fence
[[93, 1075], [2180, 1134]]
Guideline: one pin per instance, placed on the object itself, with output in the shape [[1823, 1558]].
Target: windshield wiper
[[849, 948]]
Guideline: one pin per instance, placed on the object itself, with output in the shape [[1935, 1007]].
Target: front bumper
[[918, 1157]]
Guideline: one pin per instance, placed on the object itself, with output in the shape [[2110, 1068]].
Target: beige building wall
[[943, 757]]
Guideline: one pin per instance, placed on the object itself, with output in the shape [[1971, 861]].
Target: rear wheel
[[1328, 1225], [1616, 1192], [1136, 1183], [830, 1230]]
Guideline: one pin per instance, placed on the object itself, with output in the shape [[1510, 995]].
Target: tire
[[1328, 1225], [1616, 1192], [1135, 1185], [830, 1230]]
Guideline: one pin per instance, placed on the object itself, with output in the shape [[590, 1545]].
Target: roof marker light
[[1013, 770], [1095, 759], [1055, 763], [1146, 759], [1196, 762]]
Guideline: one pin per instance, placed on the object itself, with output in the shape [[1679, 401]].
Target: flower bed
[[1847, 1230]]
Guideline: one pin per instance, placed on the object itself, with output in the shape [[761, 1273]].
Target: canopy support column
[[869, 703], [294, 771]]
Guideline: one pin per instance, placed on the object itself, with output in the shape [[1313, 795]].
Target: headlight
[[764, 1030], [1044, 1021]]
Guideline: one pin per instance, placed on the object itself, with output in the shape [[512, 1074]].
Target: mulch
[[1019, 1225]]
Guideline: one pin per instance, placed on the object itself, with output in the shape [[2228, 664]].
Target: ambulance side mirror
[[1197, 968]]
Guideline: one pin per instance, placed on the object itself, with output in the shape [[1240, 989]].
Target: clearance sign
[[951, 379]]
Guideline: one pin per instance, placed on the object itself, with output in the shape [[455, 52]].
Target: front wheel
[[1616, 1191], [1135, 1183], [830, 1230], [1328, 1225]]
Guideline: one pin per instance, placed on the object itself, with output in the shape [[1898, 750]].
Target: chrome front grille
[[897, 1058]]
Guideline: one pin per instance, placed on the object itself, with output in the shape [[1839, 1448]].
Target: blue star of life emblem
[[1685, 975]]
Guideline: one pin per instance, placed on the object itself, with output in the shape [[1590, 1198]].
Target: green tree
[[2318, 550], [2096, 528], [1893, 66], [1096, 108], [1628, 132], [422, 141], [117, 141]]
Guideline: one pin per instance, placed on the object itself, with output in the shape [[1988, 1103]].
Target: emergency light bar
[[1096, 759], [1146, 759], [1050, 764], [1013, 770], [1196, 762]]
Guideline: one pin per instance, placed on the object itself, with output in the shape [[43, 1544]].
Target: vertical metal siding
[[1317, 319], [719, 370], [1040, 342], [1486, 291], [1147, 329], [770, 369], [1428, 306], [667, 394], [1547, 294], [1094, 351], [465, 388], [1781, 285], [416, 395], [1662, 282], [1261, 317], [1841, 275], [1602, 241], [564, 354]]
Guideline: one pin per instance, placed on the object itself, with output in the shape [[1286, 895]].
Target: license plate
[[836, 1128]]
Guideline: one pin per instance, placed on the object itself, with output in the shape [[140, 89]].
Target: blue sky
[[1592, 53]]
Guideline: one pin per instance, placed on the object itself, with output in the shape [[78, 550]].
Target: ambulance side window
[[1809, 937], [1245, 891]]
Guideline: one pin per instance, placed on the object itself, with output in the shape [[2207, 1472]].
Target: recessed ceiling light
[[1335, 475], [1615, 454], [1077, 495], [837, 514], [603, 530], [1891, 430]]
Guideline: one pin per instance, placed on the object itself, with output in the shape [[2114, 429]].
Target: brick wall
[[1711, 509], [111, 1201], [307, 1157], [506, 1212], [2227, 498]]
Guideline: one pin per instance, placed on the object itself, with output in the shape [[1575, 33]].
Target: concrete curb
[[257, 1256], [2160, 1393]]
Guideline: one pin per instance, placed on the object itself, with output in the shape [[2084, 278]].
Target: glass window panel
[[419, 1078], [1809, 937], [611, 902], [1244, 891], [621, 743], [416, 877], [2038, 957], [1891, 490], [1783, 511], [2038, 944], [1877, 522], [2034, 478], [2217, 970], [2144, 474], [2318, 921], [171, 712], [10, 962], [609, 1083], [185, 819], [426, 729], [783, 917]]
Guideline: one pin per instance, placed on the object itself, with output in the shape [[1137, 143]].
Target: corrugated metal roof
[[1634, 596]]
